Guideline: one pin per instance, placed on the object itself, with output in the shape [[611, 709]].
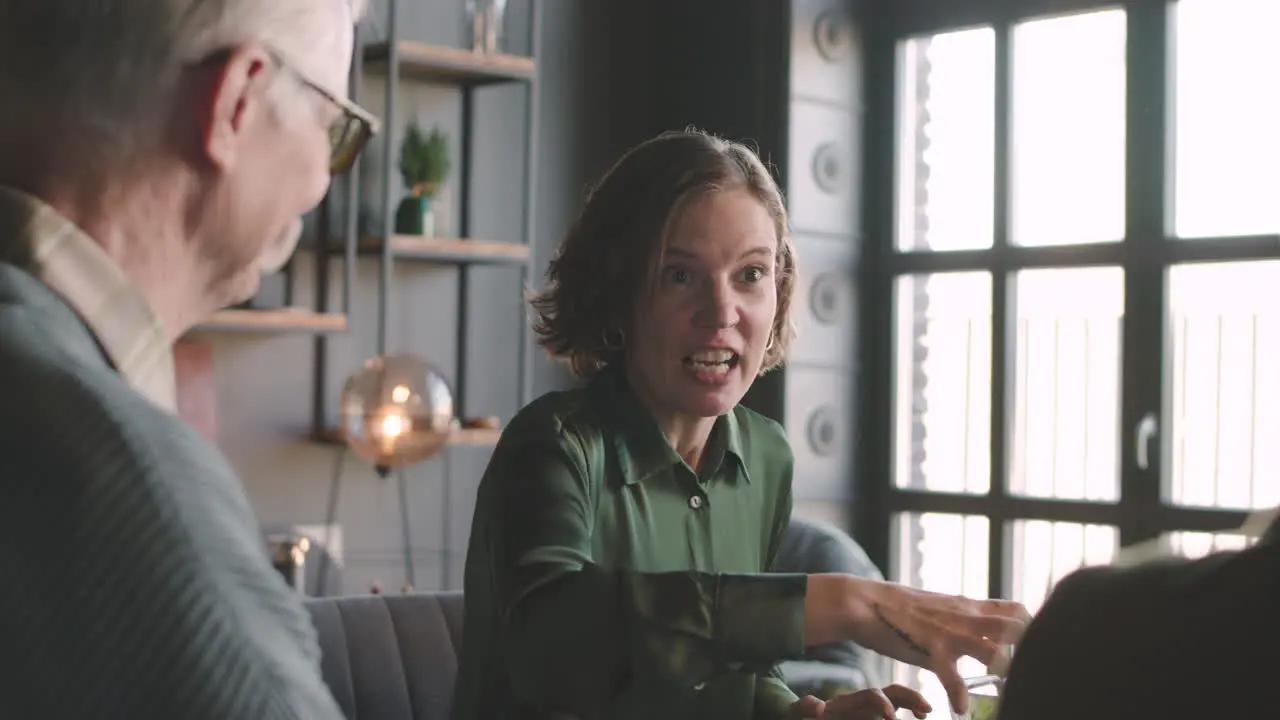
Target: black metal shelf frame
[[350, 189], [457, 71], [390, 64]]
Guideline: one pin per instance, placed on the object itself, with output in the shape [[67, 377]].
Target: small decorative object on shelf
[[289, 557], [485, 24], [424, 165], [488, 422], [396, 411]]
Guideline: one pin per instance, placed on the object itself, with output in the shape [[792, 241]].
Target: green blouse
[[605, 578]]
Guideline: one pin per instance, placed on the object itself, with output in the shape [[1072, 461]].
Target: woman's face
[[698, 341]]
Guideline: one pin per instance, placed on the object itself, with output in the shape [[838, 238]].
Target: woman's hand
[[876, 704], [805, 708], [873, 704], [934, 631], [926, 629]]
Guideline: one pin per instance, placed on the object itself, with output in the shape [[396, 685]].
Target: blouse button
[[695, 501]]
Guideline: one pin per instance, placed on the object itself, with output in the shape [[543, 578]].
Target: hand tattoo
[[911, 643]]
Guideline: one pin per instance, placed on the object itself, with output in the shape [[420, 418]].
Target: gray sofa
[[814, 547], [395, 657], [390, 657]]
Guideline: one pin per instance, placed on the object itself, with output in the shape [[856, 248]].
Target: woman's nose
[[719, 306]]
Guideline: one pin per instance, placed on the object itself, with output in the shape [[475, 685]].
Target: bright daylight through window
[[1063, 377]]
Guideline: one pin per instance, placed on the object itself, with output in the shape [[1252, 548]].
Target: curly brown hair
[[593, 283]]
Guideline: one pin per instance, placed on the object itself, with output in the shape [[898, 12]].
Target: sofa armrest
[[811, 547]]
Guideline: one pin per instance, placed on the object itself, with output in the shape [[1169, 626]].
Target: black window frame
[[1148, 250]]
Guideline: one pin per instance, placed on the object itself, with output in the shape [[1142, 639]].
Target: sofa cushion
[[811, 546], [390, 657]]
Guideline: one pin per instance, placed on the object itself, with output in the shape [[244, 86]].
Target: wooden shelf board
[[457, 251], [461, 436], [273, 321], [453, 65]]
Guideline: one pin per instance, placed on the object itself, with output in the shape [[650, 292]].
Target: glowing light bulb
[[401, 394], [397, 410], [392, 425]]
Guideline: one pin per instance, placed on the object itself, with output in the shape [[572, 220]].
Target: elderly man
[[154, 158]]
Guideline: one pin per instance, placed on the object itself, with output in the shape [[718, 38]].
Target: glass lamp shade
[[396, 410]]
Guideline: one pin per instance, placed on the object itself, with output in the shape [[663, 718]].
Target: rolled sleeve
[[694, 625], [760, 618]]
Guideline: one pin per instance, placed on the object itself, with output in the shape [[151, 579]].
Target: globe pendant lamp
[[396, 410]]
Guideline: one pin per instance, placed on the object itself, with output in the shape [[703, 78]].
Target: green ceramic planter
[[415, 216]]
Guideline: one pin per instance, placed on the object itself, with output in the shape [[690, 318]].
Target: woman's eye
[[753, 274]]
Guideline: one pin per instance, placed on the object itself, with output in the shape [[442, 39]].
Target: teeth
[[712, 356]]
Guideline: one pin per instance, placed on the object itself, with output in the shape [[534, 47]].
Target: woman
[[621, 532]]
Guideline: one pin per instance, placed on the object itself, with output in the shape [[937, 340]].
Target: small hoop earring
[[613, 339], [769, 345]]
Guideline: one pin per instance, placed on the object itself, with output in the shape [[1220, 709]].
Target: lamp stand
[[331, 514]]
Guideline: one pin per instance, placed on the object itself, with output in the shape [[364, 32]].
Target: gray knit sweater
[[133, 579]]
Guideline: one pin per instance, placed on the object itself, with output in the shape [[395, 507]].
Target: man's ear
[[234, 96]]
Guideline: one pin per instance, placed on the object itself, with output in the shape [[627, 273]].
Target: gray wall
[[594, 96], [611, 74], [824, 184]]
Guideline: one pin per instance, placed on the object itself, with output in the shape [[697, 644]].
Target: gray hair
[[102, 73]]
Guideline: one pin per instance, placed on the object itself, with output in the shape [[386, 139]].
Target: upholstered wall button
[[820, 406], [822, 430], [826, 304], [826, 298], [823, 154], [827, 53], [830, 172], [833, 34]]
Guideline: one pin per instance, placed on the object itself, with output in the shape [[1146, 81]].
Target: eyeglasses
[[349, 133]]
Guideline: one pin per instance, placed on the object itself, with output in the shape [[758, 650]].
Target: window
[[1227, 109], [1076, 280]]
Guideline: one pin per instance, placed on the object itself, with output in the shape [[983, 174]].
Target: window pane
[[946, 141], [1185, 544], [1227, 111], [1045, 552], [1195, 545], [1068, 135], [1226, 389], [943, 553], [1067, 384], [942, 374]]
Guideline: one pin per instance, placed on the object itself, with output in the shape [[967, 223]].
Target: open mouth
[[712, 361]]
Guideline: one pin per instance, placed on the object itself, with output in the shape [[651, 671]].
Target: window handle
[[1146, 430]]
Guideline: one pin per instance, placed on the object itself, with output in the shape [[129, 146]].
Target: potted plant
[[424, 165]]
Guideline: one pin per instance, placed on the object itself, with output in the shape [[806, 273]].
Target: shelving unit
[[461, 436], [400, 61], [449, 251], [433, 63], [283, 320]]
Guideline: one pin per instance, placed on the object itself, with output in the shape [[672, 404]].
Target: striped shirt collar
[[61, 255]]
